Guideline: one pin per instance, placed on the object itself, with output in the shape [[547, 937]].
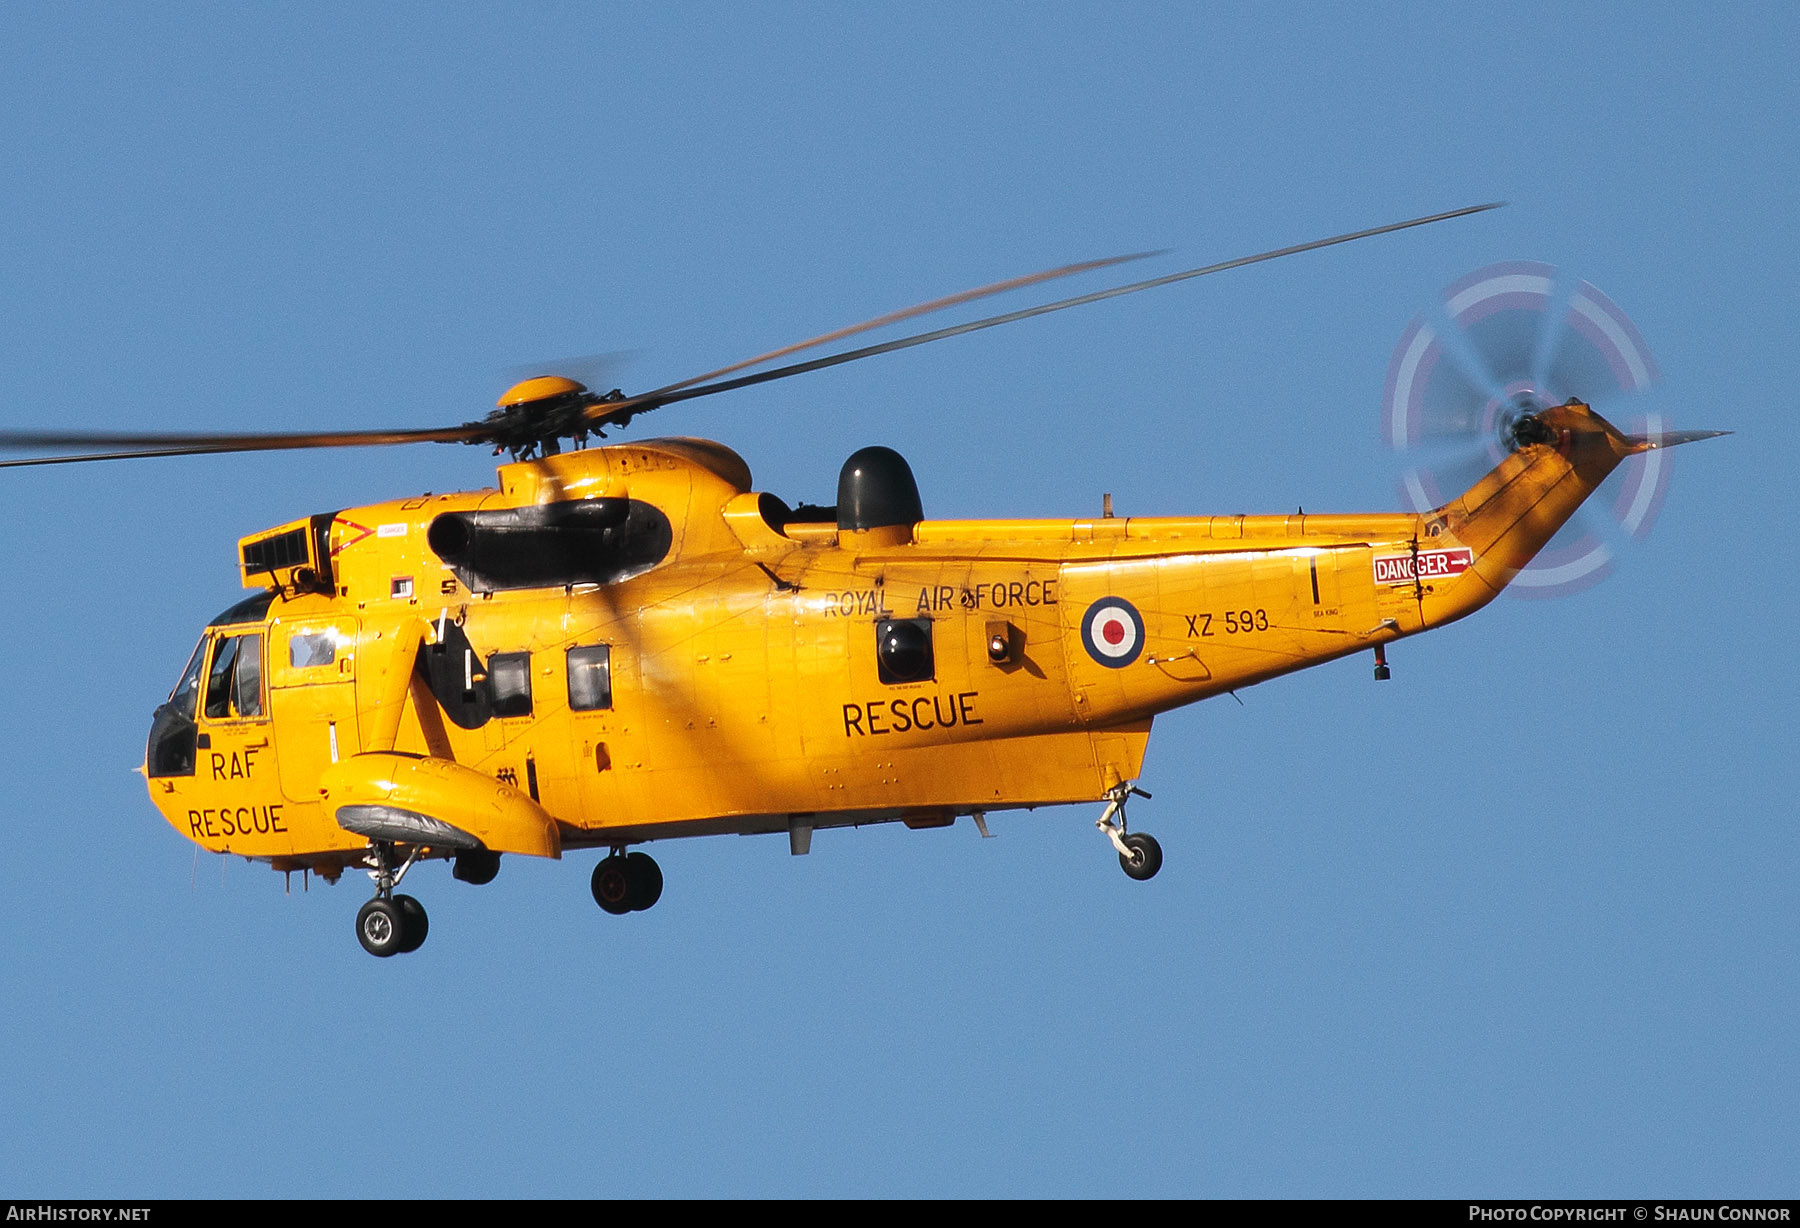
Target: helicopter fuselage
[[629, 643]]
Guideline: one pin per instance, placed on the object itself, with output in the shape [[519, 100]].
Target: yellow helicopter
[[626, 643]]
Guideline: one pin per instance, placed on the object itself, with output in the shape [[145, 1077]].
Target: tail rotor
[[1504, 343]]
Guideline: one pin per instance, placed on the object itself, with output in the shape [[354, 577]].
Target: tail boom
[[1505, 519]]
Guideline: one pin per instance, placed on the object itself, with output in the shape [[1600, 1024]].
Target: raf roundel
[[1112, 631]]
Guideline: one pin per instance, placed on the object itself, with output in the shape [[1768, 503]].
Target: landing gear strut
[[627, 882], [390, 924], [1140, 856]]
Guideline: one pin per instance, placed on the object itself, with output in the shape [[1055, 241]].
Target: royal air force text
[[942, 598]]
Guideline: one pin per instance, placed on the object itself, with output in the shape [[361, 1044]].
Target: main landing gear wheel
[[417, 924], [625, 883], [612, 889], [390, 924], [381, 928], [646, 880], [1140, 856]]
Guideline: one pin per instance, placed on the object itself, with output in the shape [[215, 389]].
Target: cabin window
[[590, 678], [308, 649], [234, 684], [903, 650], [509, 677]]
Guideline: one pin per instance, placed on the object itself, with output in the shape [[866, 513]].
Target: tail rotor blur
[[1510, 340]]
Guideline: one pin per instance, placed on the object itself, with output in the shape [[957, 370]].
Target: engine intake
[[593, 541]]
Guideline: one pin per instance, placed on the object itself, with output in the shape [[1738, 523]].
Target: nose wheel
[[1140, 856], [390, 924], [627, 882]]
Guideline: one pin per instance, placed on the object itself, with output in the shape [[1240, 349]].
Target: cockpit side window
[[246, 694], [234, 683], [218, 682]]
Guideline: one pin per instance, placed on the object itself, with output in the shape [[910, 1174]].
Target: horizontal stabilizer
[[1668, 439]]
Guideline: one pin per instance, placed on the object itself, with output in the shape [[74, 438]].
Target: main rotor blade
[[894, 317], [594, 370], [137, 444], [78, 458], [680, 392], [120, 445]]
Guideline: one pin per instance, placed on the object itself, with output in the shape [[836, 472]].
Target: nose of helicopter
[[229, 661]]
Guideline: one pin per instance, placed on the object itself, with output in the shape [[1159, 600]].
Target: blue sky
[[1521, 921]]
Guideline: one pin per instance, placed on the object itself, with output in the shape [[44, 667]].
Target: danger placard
[[1431, 565]]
